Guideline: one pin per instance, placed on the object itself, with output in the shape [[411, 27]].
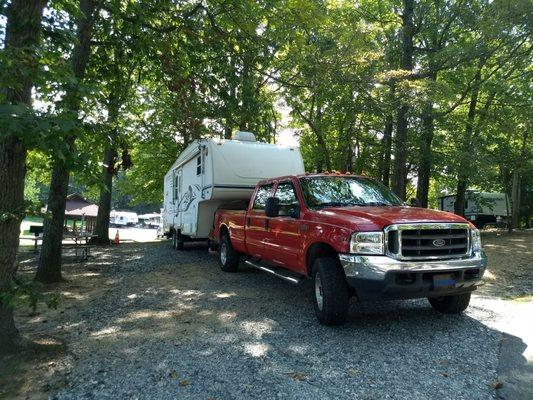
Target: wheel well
[[223, 231], [318, 250]]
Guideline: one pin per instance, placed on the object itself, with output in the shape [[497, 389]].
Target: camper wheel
[[177, 241]]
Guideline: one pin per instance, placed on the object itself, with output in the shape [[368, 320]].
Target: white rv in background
[[123, 218], [211, 172], [482, 208]]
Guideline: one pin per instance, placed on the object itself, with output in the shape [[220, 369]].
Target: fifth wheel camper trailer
[[482, 208], [212, 172]]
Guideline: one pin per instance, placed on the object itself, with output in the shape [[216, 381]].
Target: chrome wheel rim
[[319, 294], [223, 253]]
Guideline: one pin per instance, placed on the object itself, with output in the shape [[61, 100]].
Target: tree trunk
[[515, 199], [49, 269], [104, 203], [108, 171], [399, 178], [387, 149], [21, 40], [424, 163], [462, 176]]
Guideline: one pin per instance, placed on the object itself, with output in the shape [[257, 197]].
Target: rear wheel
[[228, 257], [331, 292], [177, 241], [454, 304]]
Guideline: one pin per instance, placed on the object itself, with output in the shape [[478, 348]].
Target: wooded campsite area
[[430, 97]]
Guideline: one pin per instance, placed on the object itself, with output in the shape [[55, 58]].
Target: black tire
[[331, 294], [177, 241], [179, 244], [228, 257], [454, 304]]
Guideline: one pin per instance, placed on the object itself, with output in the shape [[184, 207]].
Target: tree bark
[[399, 178], [515, 199], [49, 269], [387, 150], [108, 171], [425, 161], [104, 203], [462, 176], [21, 41]]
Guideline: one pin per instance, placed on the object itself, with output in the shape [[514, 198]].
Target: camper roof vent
[[244, 136]]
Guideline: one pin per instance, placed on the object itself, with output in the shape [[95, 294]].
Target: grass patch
[[34, 218], [522, 298]]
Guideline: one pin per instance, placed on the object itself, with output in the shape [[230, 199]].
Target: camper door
[[177, 196]]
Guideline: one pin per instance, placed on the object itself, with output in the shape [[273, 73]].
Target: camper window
[[261, 197], [199, 166], [177, 186]]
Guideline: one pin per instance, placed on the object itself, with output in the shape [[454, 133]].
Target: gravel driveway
[[166, 324]]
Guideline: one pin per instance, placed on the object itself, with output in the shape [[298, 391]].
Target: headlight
[[475, 237], [367, 243]]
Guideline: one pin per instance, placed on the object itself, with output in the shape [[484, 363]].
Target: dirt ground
[[61, 342]]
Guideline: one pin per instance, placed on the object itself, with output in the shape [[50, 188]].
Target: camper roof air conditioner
[[244, 136]]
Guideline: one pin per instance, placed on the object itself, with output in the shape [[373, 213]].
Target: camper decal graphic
[[188, 197]]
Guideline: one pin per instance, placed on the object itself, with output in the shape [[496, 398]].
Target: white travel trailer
[[151, 220], [481, 208], [211, 172], [123, 218]]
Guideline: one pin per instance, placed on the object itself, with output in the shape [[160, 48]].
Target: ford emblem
[[439, 242]]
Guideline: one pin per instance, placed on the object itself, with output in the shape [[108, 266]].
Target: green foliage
[[23, 292], [163, 73]]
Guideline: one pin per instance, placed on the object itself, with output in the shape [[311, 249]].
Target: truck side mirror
[[295, 212], [272, 207], [414, 202]]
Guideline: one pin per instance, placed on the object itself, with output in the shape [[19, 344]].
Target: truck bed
[[235, 220]]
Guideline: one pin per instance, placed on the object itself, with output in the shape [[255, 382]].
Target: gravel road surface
[[143, 321]]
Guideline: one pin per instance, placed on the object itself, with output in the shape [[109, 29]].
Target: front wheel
[[228, 257], [454, 304], [331, 293]]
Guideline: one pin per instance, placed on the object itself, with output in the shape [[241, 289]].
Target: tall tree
[[49, 269], [399, 176], [21, 44]]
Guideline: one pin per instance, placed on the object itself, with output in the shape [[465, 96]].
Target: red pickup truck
[[353, 237]]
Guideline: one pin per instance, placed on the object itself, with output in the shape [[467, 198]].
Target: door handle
[[266, 224], [248, 221]]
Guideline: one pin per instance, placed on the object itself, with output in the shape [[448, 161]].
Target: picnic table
[[81, 245]]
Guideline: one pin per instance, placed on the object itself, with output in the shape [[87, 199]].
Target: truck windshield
[[345, 191]]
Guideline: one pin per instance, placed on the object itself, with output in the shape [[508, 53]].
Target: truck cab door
[[283, 242], [256, 222]]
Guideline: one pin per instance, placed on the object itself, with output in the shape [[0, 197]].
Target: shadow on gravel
[[171, 324], [515, 370], [186, 328]]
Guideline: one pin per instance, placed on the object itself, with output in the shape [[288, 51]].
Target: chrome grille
[[428, 241]]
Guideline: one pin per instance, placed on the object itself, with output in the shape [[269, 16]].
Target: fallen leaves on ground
[[352, 371], [497, 384], [298, 376]]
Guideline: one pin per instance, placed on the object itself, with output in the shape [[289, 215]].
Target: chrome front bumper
[[377, 267]]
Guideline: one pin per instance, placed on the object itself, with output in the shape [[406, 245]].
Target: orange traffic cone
[[117, 239]]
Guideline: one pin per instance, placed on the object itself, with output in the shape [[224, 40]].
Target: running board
[[286, 276]]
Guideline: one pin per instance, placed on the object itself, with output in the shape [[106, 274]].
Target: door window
[[177, 185], [199, 165], [287, 197], [262, 196]]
